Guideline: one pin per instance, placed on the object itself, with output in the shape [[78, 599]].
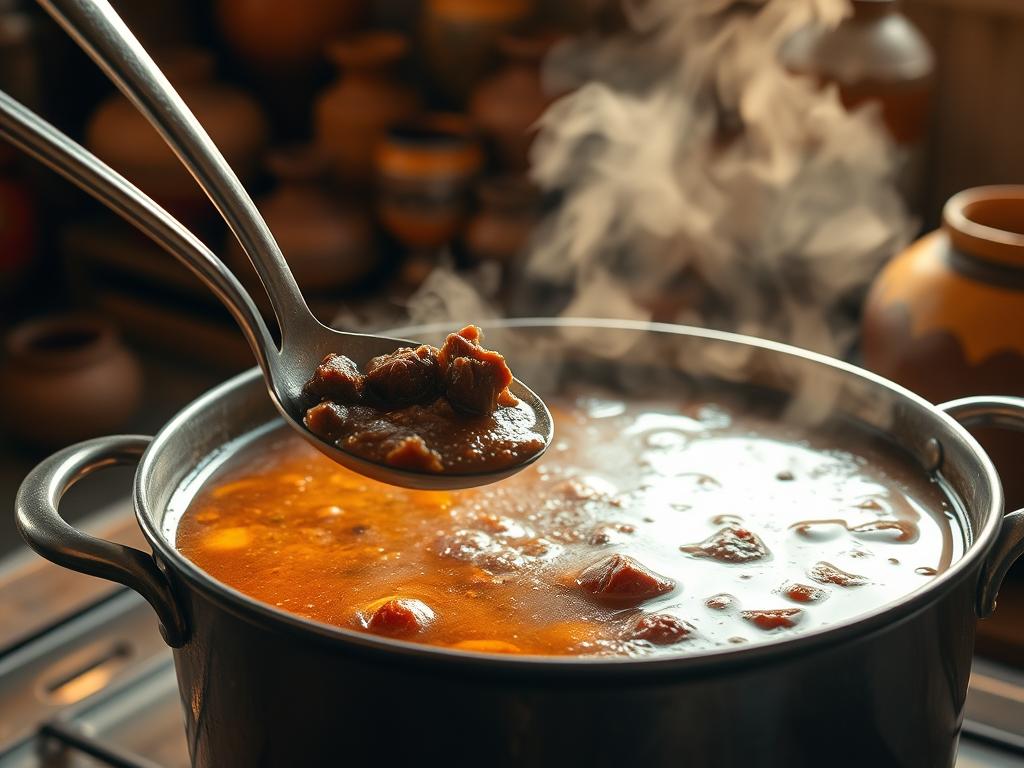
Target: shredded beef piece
[[327, 420], [337, 378], [405, 377]]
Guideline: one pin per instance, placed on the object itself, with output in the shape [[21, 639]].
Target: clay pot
[[425, 169], [502, 226], [946, 317], [507, 105], [67, 378], [351, 116], [328, 244], [460, 39], [269, 34], [121, 136]]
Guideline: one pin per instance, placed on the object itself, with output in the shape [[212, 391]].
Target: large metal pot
[[264, 687]]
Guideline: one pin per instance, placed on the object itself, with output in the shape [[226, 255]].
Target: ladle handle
[[30, 133], [101, 33]]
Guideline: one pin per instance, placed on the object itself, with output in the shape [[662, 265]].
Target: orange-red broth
[[535, 564]]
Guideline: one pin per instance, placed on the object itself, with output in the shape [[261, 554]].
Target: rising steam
[[703, 182]]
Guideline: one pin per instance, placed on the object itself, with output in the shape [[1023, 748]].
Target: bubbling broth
[[649, 528]]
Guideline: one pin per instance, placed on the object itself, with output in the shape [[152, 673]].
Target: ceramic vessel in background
[[328, 243], [946, 317], [425, 170], [507, 105], [876, 55], [352, 114], [121, 136], [270, 34], [460, 39], [67, 378], [17, 223], [501, 228]]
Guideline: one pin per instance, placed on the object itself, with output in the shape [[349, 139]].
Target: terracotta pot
[[122, 137], [351, 116], [328, 244], [946, 317], [501, 228], [67, 378], [425, 169], [507, 105], [270, 34], [460, 39]]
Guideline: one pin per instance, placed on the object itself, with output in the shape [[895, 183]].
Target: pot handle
[[1003, 413], [48, 534]]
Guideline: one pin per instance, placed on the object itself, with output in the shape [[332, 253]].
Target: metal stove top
[[86, 681]]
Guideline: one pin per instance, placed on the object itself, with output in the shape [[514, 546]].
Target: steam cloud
[[700, 182]]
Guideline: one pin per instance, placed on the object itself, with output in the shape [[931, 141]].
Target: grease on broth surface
[[647, 529]]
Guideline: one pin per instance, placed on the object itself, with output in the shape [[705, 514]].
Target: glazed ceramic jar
[[270, 33], [121, 136], [425, 171], [327, 242], [460, 39], [946, 317], [507, 105], [351, 115], [876, 55], [67, 378]]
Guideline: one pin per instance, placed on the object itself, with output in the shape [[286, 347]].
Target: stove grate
[[57, 739]]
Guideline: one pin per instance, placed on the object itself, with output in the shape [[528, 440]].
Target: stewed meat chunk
[[337, 378], [659, 629], [400, 616], [826, 573], [405, 377], [425, 409], [732, 544], [620, 578], [776, 618]]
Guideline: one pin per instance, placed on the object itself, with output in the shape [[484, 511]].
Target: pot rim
[[695, 663]]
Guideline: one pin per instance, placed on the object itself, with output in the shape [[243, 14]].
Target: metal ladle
[[304, 340]]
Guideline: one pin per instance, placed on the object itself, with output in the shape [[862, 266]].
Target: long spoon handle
[[30, 133], [101, 33]]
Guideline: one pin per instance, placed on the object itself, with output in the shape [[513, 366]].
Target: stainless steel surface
[[1006, 413], [304, 340]]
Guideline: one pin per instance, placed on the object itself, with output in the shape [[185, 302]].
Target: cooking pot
[[261, 686]]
